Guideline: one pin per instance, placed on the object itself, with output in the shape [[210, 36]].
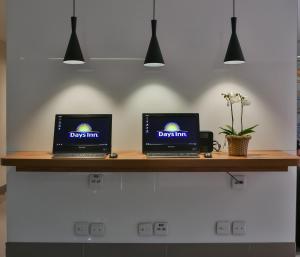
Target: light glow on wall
[[77, 98], [155, 97]]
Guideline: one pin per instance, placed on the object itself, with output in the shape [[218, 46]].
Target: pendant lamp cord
[[74, 7], [154, 2], [233, 8]]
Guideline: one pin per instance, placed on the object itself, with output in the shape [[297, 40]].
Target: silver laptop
[[171, 135], [82, 136]]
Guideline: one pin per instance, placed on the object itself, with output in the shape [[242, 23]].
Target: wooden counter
[[136, 162]]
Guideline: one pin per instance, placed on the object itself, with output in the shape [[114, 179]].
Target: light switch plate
[[223, 228], [97, 229], [145, 229], [161, 228], [81, 228]]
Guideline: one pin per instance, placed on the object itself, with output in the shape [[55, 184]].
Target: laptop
[[171, 135], [82, 136]]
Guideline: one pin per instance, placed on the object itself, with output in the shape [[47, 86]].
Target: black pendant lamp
[[234, 54], [73, 53], [154, 57]]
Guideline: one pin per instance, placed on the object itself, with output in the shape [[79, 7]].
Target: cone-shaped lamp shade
[[154, 57], [234, 53], [74, 54]]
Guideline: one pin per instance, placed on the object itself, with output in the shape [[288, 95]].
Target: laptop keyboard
[[172, 155], [80, 155]]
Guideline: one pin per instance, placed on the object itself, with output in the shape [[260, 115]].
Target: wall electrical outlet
[[240, 184], [223, 228], [95, 181], [81, 228], [145, 229], [161, 228], [239, 228], [97, 229]]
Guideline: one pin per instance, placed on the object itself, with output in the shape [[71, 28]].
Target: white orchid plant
[[231, 99]]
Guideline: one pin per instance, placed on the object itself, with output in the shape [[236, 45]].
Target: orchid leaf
[[247, 131], [227, 131]]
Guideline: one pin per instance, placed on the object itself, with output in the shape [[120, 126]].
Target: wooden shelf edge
[[202, 170], [257, 161]]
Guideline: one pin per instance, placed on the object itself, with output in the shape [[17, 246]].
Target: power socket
[[239, 228], [161, 228], [81, 228], [95, 181], [97, 229], [145, 229], [223, 228]]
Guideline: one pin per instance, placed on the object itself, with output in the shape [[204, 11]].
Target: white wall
[[2, 20], [2, 109], [193, 36]]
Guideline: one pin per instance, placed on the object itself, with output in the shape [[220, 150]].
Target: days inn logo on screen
[[84, 130], [172, 130]]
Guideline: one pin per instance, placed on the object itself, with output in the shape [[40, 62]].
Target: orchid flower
[[233, 98]]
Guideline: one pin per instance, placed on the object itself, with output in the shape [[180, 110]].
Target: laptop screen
[[82, 133], [170, 132]]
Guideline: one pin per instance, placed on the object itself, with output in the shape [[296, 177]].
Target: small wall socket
[[161, 228], [145, 229], [81, 228], [95, 181], [239, 228], [97, 229], [239, 183], [223, 228]]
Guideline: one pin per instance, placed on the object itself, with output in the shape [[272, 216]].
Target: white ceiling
[[2, 20]]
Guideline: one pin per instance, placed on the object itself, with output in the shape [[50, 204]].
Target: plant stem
[[242, 113], [232, 120]]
